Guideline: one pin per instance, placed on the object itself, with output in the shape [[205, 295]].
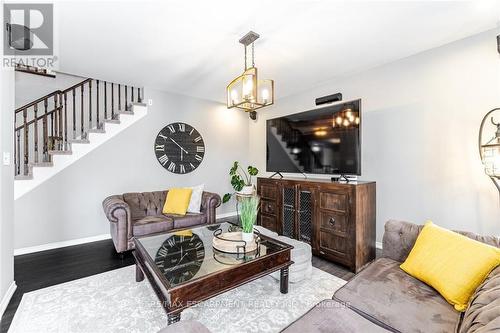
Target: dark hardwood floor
[[43, 269]]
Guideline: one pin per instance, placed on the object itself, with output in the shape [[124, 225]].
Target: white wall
[[68, 206], [6, 184], [420, 125]]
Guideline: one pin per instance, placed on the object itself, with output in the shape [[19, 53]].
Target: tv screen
[[321, 141]]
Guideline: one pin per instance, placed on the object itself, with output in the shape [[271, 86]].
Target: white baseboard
[[56, 245], [378, 245], [6, 298]]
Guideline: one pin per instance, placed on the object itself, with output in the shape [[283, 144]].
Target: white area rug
[[114, 302]]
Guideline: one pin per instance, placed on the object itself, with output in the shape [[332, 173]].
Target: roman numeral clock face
[[179, 148]]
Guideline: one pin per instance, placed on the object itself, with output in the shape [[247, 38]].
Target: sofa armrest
[[399, 238], [118, 213], [209, 203]]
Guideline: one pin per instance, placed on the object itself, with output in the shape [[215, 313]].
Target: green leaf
[[226, 197], [252, 171], [235, 182], [233, 169]]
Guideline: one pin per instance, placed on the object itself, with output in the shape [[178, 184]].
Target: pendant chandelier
[[247, 92]]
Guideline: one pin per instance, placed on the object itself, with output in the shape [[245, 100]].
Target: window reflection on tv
[[326, 140]]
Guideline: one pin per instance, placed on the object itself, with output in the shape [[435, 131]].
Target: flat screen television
[[325, 140]]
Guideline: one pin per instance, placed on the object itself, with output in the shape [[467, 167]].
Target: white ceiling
[[191, 47]]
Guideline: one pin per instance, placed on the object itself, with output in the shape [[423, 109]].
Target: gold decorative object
[[247, 91]]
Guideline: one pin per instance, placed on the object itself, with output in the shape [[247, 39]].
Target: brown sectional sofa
[[383, 298], [139, 214]]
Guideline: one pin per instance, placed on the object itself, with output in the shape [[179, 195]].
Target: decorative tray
[[232, 242]]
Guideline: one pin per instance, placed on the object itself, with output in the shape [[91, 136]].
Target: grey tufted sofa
[[139, 214]]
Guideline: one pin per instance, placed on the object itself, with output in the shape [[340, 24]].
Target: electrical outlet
[[150, 102], [6, 158]]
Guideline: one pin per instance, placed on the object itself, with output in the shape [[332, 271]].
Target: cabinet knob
[[331, 221]]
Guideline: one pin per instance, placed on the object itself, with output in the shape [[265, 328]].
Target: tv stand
[[339, 179], [276, 173], [336, 219]]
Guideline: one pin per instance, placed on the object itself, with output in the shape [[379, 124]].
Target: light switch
[[150, 102], [6, 158]]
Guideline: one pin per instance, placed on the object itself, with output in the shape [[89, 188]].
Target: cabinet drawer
[[268, 191], [333, 244], [334, 201], [269, 207], [268, 222], [334, 222]]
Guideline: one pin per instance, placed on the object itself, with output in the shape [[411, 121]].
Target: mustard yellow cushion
[[177, 201], [452, 264]]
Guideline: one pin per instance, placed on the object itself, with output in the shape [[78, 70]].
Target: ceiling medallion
[[247, 92]]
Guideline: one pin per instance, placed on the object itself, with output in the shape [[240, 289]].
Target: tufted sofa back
[[145, 204], [399, 238]]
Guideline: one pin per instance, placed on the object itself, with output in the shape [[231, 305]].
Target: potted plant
[[241, 180], [249, 209]]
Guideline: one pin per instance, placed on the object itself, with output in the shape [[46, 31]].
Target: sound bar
[[329, 99]]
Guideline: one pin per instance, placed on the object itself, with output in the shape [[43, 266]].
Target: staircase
[[56, 130], [296, 147]]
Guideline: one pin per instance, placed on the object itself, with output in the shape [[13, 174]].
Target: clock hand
[[179, 145]]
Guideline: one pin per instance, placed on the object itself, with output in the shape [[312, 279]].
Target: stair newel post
[[119, 97], [82, 119], [45, 131], [26, 146], [139, 99], [16, 161], [105, 100], [35, 133], [112, 100], [126, 97], [90, 104], [74, 113], [65, 121], [97, 104]]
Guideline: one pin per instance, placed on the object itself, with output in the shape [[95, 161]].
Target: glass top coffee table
[[184, 269]]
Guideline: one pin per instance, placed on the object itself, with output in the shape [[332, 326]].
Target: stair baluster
[[112, 101], [90, 104], [97, 104], [132, 89], [18, 159], [45, 132], [35, 134], [119, 97], [82, 119], [126, 97], [66, 122], [74, 112], [105, 100], [26, 147], [139, 95]]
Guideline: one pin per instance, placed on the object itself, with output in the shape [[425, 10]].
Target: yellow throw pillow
[[177, 201], [452, 264]]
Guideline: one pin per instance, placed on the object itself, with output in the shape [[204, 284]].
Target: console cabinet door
[[333, 237], [306, 212], [268, 190], [289, 210]]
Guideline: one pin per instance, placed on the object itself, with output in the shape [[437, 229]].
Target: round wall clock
[[179, 148], [180, 257]]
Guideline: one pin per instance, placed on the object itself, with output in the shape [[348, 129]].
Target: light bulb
[[356, 121], [265, 95], [234, 96], [346, 122], [339, 120]]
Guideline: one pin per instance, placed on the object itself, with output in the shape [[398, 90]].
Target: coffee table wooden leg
[[139, 275], [284, 280], [173, 318]]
